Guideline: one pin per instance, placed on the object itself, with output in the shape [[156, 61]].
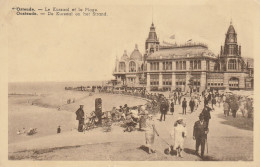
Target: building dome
[[124, 57], [136, 55]]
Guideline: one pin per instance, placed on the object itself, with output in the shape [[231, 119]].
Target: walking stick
[[164, 140], [207, 146]]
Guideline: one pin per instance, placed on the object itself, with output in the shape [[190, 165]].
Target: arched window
[[122, 67], [132, 67], [233, 82], [232, 64]]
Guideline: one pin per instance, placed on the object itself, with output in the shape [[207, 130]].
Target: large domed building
[[191, 66], [128, 70]]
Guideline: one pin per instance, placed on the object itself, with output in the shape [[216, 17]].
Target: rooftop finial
[[231, 21], [136, 47]]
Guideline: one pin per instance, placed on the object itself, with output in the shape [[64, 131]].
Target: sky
[[59, 48]]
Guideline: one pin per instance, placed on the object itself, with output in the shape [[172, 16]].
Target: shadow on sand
[[205, 158], [238, 122], [170, 151]]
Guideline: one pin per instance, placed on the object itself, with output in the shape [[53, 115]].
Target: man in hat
[[80, 117], [192, 105], [206, 113], [163, 109], [200, 131], [184, 106]]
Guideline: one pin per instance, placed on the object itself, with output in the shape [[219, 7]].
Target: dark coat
[[199, 130], [164, 107], [172, 107], [214, 101], [80, 114], [192, 104], [184, 103], [234, 105], [206, 113]]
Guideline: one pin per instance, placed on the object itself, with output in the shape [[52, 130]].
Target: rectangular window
[[184, 65], [167, 79], [170, 66], [167, 65], [154, 79], [207, 64], [180, 63], [191, 65], [164, 65], [154, 66], [199, 64], [195, 65], [177, 65]]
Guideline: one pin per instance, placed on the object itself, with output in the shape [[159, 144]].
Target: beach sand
[[115, 145]]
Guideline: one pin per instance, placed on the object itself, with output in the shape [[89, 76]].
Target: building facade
[[129, 69], [185, 67]]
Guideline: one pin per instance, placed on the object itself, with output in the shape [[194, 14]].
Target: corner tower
[[231, 47], [152, 42], [230, 53]]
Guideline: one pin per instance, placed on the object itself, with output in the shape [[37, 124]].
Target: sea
[[47, 87]]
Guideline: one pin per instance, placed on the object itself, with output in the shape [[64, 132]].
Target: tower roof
[[152, 34], [231, 35], [231, 29]]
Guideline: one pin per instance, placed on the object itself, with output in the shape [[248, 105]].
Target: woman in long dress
[[178, 134], [150, 132]]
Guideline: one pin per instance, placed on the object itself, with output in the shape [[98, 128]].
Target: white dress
[[178, 133], [149, 133]]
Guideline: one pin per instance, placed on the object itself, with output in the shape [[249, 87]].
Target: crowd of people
[[231, 103], [143, 115]]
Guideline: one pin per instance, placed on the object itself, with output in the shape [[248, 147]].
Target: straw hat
[[142, 108]]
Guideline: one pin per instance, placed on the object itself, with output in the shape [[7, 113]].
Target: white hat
[[142, 108], [179, 118]]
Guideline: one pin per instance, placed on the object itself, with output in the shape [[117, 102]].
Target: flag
[[172, 37], [189, 40]]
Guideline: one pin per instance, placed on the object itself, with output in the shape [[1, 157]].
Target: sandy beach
[[115, 145]]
